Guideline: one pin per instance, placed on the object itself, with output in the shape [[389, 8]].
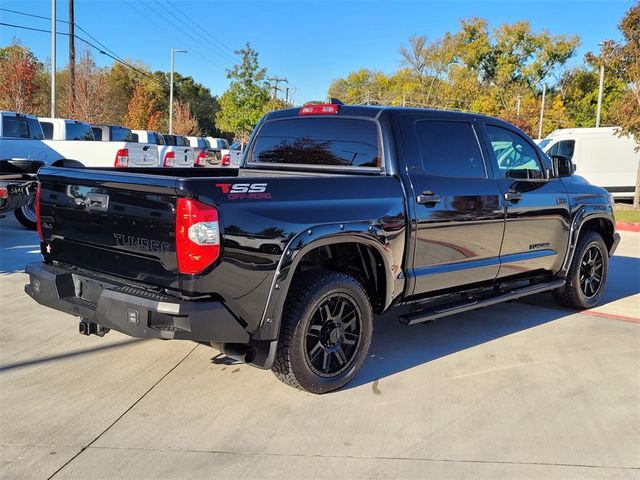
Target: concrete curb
[[628, 226]]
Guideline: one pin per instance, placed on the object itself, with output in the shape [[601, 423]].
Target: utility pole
[[544, 93], [286, 96], [600, 94], [518, 105], [72, 61], [53, 58], [276, 80], [173, 51]]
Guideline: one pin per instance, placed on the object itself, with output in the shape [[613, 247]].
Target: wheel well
[[65, 162], [602, 226], [358, 260]]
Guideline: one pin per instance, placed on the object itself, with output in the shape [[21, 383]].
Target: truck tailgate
[[142, 154], [117, 223]]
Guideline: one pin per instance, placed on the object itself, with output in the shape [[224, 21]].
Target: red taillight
[[201, 159], [226, 160], [197, 235], [169, 159], [324, 109], [122, 158], [37, 206], [4, 193]]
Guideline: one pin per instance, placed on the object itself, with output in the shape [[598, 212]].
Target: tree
[[242, 105], [19, 86], [143, 112], [90, 92], [203, 105], [625, 61], [184, 123]]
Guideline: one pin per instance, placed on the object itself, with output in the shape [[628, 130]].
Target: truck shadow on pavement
[[396, 347], [18, 246]]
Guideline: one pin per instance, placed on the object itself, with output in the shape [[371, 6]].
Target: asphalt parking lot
[[520, 390]]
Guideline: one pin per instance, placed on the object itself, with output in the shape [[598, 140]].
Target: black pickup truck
[[336, 214]]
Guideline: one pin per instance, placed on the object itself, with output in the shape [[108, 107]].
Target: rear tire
[[26, 214], [325, 333], [587, 275]]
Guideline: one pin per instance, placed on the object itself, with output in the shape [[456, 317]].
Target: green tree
[[244, 102], [203, 105], [625, 59]]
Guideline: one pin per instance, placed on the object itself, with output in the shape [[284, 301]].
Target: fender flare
[[314, 237], [582, 216]]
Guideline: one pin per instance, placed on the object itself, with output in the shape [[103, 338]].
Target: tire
[[587, 274], [26, 214], [326, 315]]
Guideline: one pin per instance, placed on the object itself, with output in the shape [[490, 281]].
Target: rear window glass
[[341, 142], [450, 149], [97, 133], [79, 131], [21, 127]]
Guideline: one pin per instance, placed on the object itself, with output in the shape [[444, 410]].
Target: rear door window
[[336, 142], [450, 149], [47, 129], [119, 134], [78, 131]]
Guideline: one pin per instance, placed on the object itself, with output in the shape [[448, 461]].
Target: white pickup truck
[[168, 155], [75, 141]]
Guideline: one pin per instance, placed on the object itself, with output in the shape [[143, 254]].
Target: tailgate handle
[[147, 147], [97, 201]]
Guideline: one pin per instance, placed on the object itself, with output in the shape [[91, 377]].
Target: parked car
[[21, 138], [75, 145], [184, 155], [217, 143], [200, 147], [166, 153], [336, 213], [600, 155], [232, 158], [64, 129], [17, 190]]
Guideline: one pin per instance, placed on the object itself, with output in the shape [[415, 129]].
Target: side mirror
[[562, 166]]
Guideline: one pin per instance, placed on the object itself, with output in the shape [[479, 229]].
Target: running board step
[[452, 309]]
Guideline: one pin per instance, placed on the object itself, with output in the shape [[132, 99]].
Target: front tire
[[326, 332], [587, 275], [26, 214]]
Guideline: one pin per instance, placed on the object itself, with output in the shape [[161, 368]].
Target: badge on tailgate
[[85, 197]]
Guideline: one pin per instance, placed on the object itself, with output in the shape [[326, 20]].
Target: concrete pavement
[[520, 390]]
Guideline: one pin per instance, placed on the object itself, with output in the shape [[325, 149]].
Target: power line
[[203, 30], [169, 20], [23, 27], [158, 22], [77, 26]]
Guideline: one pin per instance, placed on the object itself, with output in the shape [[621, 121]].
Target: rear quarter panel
[[267, 220]]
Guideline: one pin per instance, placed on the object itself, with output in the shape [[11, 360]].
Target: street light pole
[[544, 93], [600, 95], [53, 58], [173, 51], [518, 105]]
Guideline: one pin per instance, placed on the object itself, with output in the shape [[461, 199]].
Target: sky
[[310, 43]]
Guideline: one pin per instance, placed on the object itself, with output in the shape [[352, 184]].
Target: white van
[[599, 155]]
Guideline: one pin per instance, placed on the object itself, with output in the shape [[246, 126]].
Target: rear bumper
[[133, 311]]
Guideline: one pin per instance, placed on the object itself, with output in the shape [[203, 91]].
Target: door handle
[[428, 198], [513, 197]]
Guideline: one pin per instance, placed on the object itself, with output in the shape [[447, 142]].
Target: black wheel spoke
[[340, 356], [333, 335]]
